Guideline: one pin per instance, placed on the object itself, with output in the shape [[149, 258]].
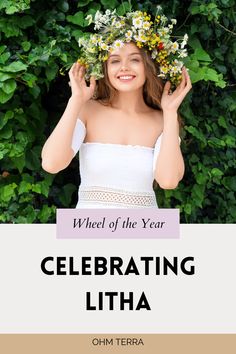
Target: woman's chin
[[127, 88]]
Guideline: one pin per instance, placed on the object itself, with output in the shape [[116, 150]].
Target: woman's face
[[125, 68]]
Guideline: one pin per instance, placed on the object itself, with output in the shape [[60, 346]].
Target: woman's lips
[[126, 78]]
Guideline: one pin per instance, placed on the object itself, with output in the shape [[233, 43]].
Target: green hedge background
[[38, 42]]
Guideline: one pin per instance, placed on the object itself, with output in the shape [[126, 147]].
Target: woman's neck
[[129, 102]]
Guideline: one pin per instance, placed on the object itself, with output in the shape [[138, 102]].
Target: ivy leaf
[[64, 6], [222, 122], [32, 160], [6, 132], [35, 91], [188, 208], [216, 172], [4, 57], [8, 115], [201, 54], [11, 10], [4, 97], [14, 67], [123, 8], [76, 19], [19, 162], [29, 78], [26, 46], [196, 75], [4, 76], [9, 86], [66, 194], [8, 192], [110, 4], [51, 71], [24, 187], [2, 48], [36, 188], [45, 213], [26, 21], [83, 3], [77, 34]]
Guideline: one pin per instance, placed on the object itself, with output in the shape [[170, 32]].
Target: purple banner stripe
[[152, 223]]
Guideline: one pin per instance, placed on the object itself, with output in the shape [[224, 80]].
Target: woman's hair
[[152, 88]]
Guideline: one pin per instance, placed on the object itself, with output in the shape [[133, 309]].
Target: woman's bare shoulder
[[90, 109], [156, 116]]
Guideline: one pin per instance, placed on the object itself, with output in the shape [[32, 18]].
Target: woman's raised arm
[[170, 164], [57, 152]]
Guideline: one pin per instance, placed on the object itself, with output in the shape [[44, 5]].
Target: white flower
[[173, 21], [174, 70], [118, 44], [183, 53], [176, 67], [141, 37], [118, 24], [164, 19], [146, 25], [137, 22], [98, 15], [94, 40], [178, 64], [81, 42], [185, 37], [128, 35], [174, 47], [158, 8], [154, 54], [184, 42], [89, 18], [164, 31], [104, 46]]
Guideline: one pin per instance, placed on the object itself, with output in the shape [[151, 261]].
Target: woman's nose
[[124, 66]]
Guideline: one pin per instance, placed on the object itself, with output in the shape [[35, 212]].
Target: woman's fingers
[[185, 84], [92, 83], [167, 88], [186, 89], [80, 72], [183, 81]]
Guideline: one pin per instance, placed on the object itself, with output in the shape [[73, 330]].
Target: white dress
[[114, 175]]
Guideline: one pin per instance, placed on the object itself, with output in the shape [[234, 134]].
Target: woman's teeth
[[126, 77]]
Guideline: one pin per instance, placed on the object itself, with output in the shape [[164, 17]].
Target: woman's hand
[[78, 84], [172, 101]]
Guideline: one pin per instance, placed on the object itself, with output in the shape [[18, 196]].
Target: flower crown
[[154, 36]]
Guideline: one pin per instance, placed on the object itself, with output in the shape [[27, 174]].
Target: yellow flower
[[105, 57]]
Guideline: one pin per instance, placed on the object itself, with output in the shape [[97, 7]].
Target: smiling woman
[[125, 126]]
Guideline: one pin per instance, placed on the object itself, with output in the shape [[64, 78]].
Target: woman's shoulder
[[156, 117], [90, 109]]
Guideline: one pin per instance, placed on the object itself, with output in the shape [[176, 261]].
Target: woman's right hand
[[78, 84]]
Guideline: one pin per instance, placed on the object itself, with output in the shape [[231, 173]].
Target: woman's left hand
[[172, 101]]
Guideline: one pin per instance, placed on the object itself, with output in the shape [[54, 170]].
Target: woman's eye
[[135, 59], [114, 61]]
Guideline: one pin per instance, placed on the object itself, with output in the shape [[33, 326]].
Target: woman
[[128, 136]]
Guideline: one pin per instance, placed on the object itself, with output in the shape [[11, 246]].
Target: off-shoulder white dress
[[114, 175]]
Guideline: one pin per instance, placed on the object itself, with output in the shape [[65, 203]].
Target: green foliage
[[39, 41]]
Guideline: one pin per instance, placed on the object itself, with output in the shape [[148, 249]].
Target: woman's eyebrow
[[117, 55]]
